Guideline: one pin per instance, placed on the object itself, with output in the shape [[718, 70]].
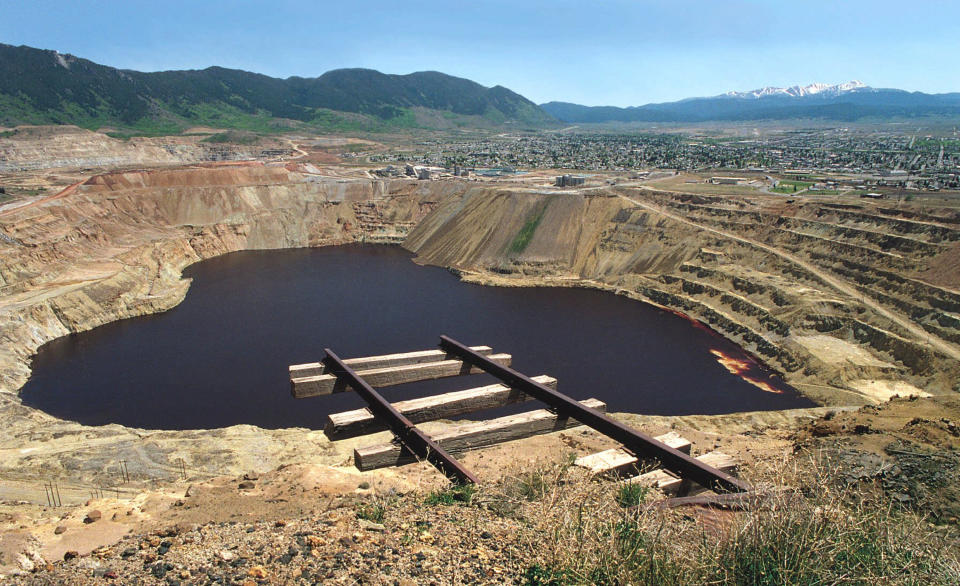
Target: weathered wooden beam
[[670, 484], [471, 435], [619, 462], [738, 501], [383, 361], [639, 443], [324, 384], [361, 421], [407, 434]]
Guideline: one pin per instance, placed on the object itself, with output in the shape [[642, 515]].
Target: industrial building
[[570, 180], [728, 180]]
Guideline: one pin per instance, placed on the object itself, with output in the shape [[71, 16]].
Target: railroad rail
[[405, 431], [639, 443], [637, 450]]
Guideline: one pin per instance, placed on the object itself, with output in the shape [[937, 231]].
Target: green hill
[[45, 87]]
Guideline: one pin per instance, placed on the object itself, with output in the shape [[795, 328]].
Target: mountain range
[[848, 102], [799, 91], [46, 87], [40, 86]]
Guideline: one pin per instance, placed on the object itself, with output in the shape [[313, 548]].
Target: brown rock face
[[47, 147]]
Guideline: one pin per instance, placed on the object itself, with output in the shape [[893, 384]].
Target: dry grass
[[578, 532]]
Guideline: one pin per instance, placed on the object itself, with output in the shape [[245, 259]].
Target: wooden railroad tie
[[618, 462], [638, 452], [361, 421]]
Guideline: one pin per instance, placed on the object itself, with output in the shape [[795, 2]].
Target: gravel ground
[[413, 544]]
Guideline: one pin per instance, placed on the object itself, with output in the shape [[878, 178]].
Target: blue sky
[[594, 52]]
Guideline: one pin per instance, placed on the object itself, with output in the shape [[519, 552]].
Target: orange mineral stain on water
[[732, 364], [741, 368], [694, 322]]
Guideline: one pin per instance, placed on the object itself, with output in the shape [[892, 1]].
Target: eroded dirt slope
[[47, 147]]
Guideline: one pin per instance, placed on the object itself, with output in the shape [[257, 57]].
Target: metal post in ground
[[181, 468]]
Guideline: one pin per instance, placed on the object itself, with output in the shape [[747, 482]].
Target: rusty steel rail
[[403, 429], [639, 443]]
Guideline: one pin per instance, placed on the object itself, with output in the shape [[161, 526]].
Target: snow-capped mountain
[[799, 91], [848, 101]]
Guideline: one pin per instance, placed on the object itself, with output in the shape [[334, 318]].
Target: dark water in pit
[[220, 357]]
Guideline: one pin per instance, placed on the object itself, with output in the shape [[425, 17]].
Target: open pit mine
[[851, 303]]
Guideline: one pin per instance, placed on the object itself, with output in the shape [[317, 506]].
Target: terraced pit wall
[[759, 273]]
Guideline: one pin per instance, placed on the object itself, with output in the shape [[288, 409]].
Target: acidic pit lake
[[220, 357]]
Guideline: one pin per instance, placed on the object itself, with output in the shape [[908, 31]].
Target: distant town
[[865, 160]]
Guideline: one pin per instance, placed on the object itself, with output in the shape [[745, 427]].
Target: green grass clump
[[532, 485], [631, 495], [372, 511], [456, 494]]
